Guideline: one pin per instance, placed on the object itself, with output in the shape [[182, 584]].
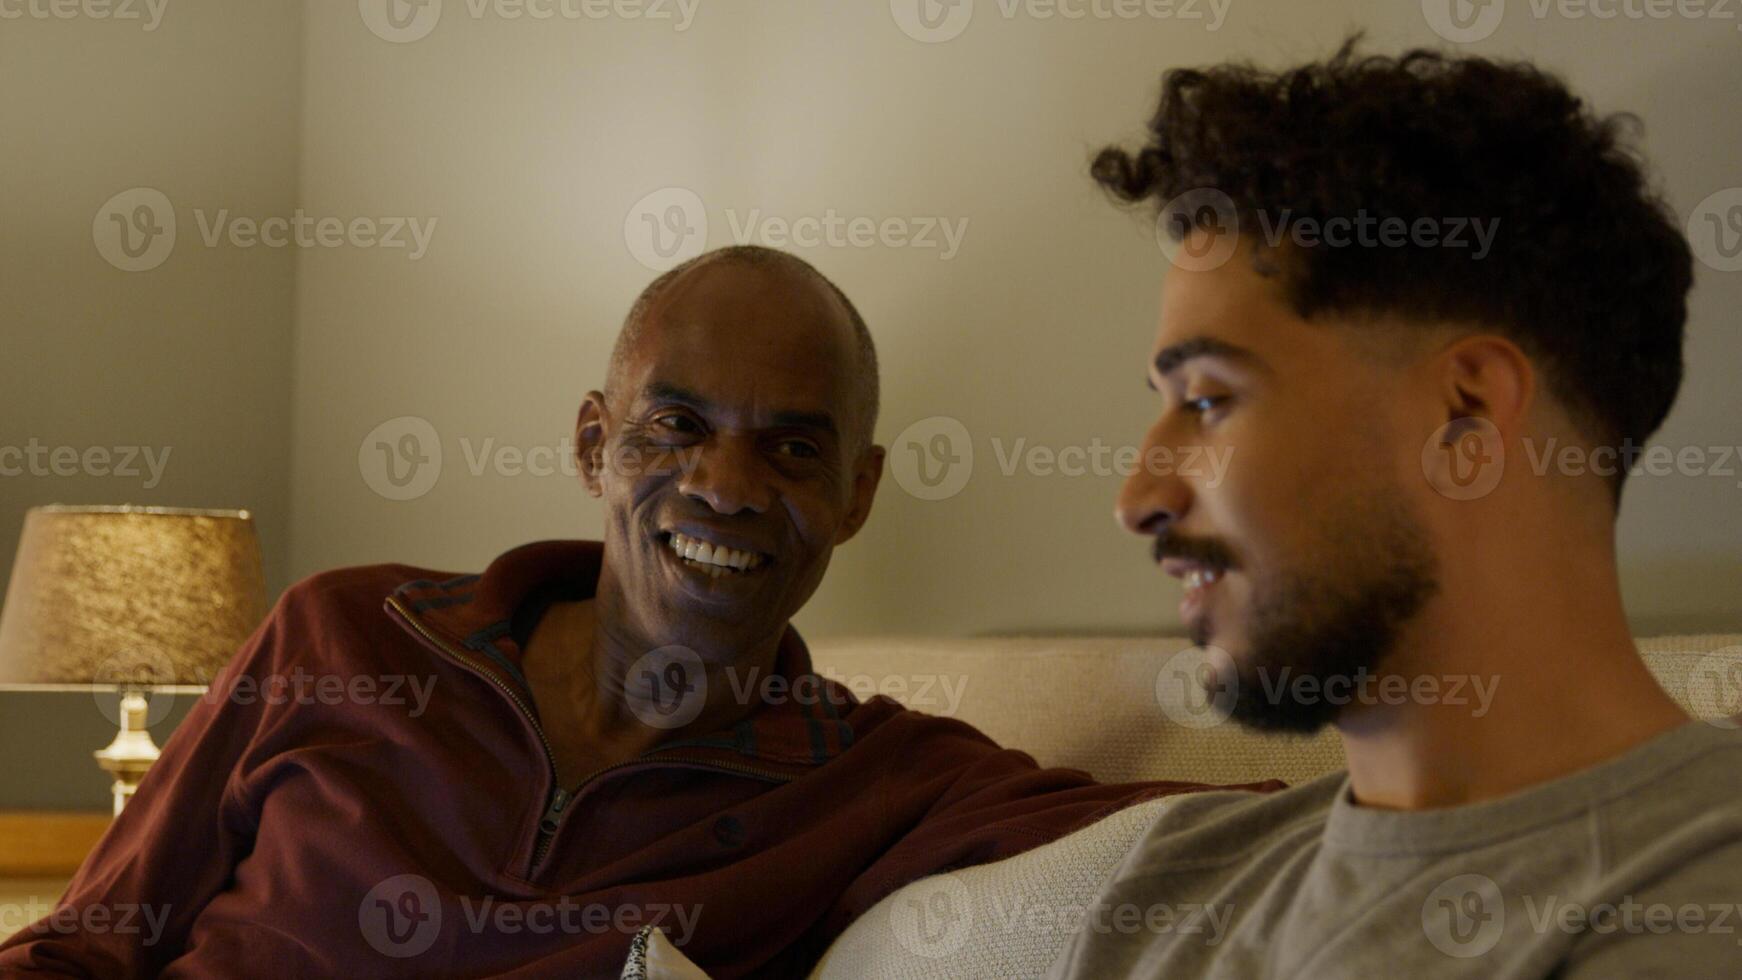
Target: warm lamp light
[[129, 599]]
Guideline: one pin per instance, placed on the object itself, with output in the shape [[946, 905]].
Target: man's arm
[[128, 911], [999, 804]]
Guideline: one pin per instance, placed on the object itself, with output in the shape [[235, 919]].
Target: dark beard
[[1335, 625]]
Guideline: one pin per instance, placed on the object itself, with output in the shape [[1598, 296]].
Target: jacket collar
[[473, 615]]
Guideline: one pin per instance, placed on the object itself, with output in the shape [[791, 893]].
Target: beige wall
[[190, 361], [530, 141]]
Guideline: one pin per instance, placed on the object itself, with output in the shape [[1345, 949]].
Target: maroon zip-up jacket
[[367, 792]]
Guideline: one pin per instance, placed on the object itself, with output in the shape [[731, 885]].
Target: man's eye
[[678, 423], [799, 448], [1203, 405]]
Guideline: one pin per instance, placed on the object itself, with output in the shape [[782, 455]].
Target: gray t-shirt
[[1631, 868]]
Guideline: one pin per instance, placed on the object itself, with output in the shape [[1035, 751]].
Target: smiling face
[[1307, 554], [729, 456]]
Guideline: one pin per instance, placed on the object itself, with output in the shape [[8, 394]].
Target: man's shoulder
[[336, 618], [365, 585], [890, 721], [1689, 789]]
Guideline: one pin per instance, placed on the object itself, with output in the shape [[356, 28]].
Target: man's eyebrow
[[818, 421], [1169, 359], [661, 391]]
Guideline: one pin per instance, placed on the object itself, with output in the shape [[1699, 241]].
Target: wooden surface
[[27, 900], [47, 845]]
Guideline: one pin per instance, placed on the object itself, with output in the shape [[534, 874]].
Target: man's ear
[[866, 476], [1488, 377], [1485, 389], [590, 437]]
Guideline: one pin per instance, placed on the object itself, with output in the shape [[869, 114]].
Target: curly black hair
[[1588, 271]]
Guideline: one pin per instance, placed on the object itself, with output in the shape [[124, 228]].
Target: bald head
[[786, 279], [737, 416]]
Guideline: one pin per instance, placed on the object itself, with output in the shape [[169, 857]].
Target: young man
[[1396, 283], [605, 734]]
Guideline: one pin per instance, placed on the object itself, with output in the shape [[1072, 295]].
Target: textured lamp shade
[[129, 596]]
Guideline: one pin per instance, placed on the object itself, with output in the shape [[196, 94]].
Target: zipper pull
[[552, 821], [548, 825]]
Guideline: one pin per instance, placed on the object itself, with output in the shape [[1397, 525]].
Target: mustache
[[1203, 551]]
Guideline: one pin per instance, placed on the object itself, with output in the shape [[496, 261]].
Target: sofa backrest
[[1123, 710]]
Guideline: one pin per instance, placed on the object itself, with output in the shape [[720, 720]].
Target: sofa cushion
[[1006, 919]]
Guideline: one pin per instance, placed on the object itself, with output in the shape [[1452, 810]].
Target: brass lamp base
[[132, 752]]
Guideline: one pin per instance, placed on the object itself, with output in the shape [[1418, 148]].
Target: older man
[[616, 733]]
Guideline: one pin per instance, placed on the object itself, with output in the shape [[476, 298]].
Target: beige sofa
[[1116, 708]]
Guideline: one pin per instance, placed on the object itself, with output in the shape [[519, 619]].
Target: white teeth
[[1197, 578], [718, 558]]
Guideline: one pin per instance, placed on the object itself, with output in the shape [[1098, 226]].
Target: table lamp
[[137, 600]]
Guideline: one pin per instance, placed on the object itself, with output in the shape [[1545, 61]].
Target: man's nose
[[1154, 496], [729, 477]]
